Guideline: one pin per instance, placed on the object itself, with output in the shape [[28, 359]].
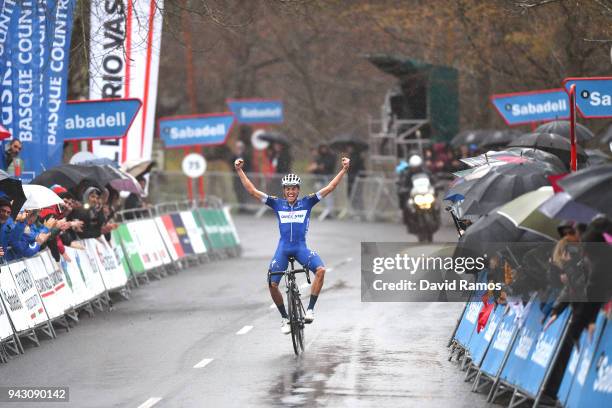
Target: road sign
[[593, 96], [257, 111], [99, 119], [259, 144], [195, 130], [194, 165], [534, 106]]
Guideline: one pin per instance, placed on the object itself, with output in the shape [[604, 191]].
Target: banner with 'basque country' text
[[34, 55], [125, 41]]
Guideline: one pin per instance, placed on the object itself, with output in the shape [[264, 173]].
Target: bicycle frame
[[294, 303]]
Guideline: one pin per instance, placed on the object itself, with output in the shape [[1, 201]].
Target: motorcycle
[[422, 208]]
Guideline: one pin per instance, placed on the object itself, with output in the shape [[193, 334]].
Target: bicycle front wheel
[[294, 321]]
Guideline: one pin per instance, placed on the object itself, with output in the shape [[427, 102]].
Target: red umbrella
[[4, 134]]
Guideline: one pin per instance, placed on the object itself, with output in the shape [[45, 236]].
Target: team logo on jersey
[[292, 216]]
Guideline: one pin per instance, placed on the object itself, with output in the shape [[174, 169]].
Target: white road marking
[[272, 306], [244, 330], [304, 285], [203, 363], [150, 402]]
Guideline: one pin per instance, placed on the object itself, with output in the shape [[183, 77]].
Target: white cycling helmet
[[415, 161], [291, 180]]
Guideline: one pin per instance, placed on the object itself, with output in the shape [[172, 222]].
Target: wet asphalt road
[[358, 354]]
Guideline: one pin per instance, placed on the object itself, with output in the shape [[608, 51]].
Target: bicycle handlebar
[[294, 271]]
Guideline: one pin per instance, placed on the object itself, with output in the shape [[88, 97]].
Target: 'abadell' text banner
[[125, 40]]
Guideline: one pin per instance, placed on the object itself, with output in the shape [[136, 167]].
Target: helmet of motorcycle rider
[[415, 161]]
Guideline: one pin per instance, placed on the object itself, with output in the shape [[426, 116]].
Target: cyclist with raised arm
[[293, 217]]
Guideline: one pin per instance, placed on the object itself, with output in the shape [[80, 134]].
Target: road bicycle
[[295, 308]]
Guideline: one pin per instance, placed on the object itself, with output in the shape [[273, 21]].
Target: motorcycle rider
[[406, 170]]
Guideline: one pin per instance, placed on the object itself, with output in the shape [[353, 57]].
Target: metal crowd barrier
[[372, 196], [512, 354], [38, 294]]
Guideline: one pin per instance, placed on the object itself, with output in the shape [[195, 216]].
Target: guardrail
[[514, 354], [38, 294], [370, 197]]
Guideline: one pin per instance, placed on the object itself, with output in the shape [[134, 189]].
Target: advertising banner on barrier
[[194, 232], [119, 254], [130, 250], [534, 106], [75, 277], [100, 119], [5, 325], [533, 350], [181, 232], [156, 240], [195, 130], [148, 252], [168, 234], [467, 326], [53, 304], [93, 279], [125, 41], [597, 390], [567, 381], [257, 111], [213, 230], [111, 272], [501, 341], [479, 343], [15, 308], [27, 292], [62, 291], [230, 222]]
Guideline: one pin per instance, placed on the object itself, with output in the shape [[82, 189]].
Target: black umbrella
[[596, 157], [275, 137], [552, 143], [341, 142], [606, 136], [562, 128], [468, 137], [71, 175], [540, 156], [498, 138], [591, 187], [502, 184], [11, 187], [493, 232]]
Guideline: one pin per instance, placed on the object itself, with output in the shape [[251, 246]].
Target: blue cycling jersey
[[293, 219]]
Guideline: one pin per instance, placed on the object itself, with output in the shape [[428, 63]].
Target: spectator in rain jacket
[[92, 217], [31, 236], [8, 231]]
